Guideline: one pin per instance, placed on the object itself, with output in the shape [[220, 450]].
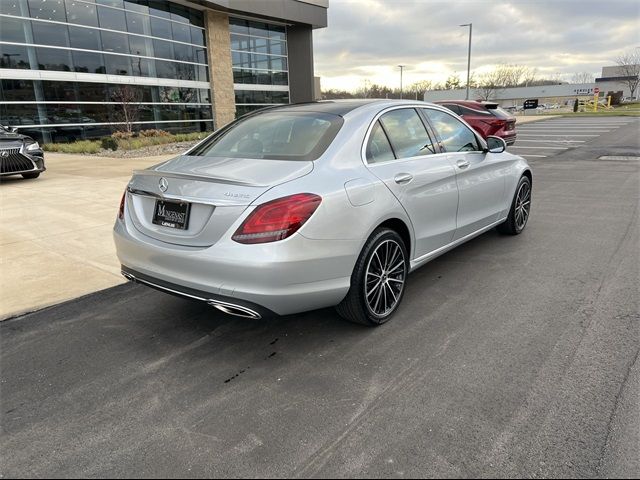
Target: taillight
[[121, 209], [277, 219]]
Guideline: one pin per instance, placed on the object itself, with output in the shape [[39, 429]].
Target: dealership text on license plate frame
[[171, 214]]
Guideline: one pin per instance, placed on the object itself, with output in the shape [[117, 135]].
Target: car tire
[[520, 209], [378, 281], [31, 175]]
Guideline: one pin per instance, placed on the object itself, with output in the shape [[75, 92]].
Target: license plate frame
[[176, 216]]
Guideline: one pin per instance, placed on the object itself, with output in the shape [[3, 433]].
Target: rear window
[[500, 113], [274, 135], [474, 111], [453, 108]]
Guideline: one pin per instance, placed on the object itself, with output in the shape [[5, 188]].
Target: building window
[[141, 38], [260, 65]]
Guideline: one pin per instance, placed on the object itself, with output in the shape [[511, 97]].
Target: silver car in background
[[306, 206]]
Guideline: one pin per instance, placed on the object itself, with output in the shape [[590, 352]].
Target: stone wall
[[220, 67]]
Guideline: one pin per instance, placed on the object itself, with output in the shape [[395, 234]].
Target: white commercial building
[[610, 81]]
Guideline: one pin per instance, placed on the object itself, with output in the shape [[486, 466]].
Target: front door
[[402, 154], [480, 175]]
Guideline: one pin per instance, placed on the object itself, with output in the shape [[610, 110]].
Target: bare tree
[[582, 77], [490, 84], [419, 88], [128, 109], [453, 82], [529, 77], [629, 67]]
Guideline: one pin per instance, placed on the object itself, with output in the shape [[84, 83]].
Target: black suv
[[19, 154]]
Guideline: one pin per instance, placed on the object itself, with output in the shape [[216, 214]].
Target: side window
[[453, 108], [406, 133], [455, 135], [378, 147]]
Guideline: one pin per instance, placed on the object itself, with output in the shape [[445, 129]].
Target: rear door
[[403, 155], [480, 176]]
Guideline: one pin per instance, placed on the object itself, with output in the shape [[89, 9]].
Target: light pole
[[401, 68], [470, 25]]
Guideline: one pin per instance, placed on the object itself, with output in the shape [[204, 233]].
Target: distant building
[[613, 74], [611, 80]]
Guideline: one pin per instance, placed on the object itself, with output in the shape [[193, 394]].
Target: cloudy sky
[[367, 39]]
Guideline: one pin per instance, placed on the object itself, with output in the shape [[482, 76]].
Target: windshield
[[274, 135]]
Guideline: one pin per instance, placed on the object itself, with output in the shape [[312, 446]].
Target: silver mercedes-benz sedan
[[305, 206]]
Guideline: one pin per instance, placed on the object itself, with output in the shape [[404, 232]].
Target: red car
[[485, 117]]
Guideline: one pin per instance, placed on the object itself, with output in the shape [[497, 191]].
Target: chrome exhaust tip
[[236, 310], [128, 276]]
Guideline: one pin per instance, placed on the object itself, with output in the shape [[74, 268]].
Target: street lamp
[[401, 67], [470, 25]]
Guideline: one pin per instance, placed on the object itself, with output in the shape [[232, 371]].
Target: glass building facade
[[65, 65], [260, 69], [159, 44]]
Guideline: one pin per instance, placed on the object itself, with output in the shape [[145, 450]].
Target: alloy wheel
[[385, 278], [523, 205]]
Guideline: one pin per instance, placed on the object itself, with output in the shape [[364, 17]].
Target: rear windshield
[[274, 135], [500, 113]]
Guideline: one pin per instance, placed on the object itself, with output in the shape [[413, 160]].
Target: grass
[[626, 110], [83, 146], [95, 146], [142, 142], [616, 112]]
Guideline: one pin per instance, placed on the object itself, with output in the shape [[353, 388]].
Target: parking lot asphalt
[[510, 357], [552, 136]]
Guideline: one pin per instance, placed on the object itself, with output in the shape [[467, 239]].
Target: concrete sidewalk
[[55, 231], [521, 119]]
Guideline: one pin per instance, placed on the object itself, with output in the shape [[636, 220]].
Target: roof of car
[[335, 107], [340, 107]]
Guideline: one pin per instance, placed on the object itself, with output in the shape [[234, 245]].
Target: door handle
[[463, 163], [403, 178]]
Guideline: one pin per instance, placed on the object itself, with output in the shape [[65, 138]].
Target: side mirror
[[496, 144]]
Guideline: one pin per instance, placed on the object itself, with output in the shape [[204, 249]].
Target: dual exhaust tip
[[232, 309], [225, 307]]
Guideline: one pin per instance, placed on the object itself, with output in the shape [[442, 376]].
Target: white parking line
[[544, 148], [532, 155], [553, 135], [569, 127], [562, 127], [552, 141], [542, 130]]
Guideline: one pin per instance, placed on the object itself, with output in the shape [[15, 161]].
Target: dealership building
[[611, 80], [70, 69]]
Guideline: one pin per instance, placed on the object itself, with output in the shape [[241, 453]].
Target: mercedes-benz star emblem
[[163, 184]]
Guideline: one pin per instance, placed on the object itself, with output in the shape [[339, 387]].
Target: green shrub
[[83, 146], [124, 142], [109, 143]]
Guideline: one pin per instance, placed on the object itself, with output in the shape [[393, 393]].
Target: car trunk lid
[[218, 190]]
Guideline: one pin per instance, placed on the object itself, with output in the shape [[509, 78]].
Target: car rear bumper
[[232, 306], [509, 139], [285, 277]]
